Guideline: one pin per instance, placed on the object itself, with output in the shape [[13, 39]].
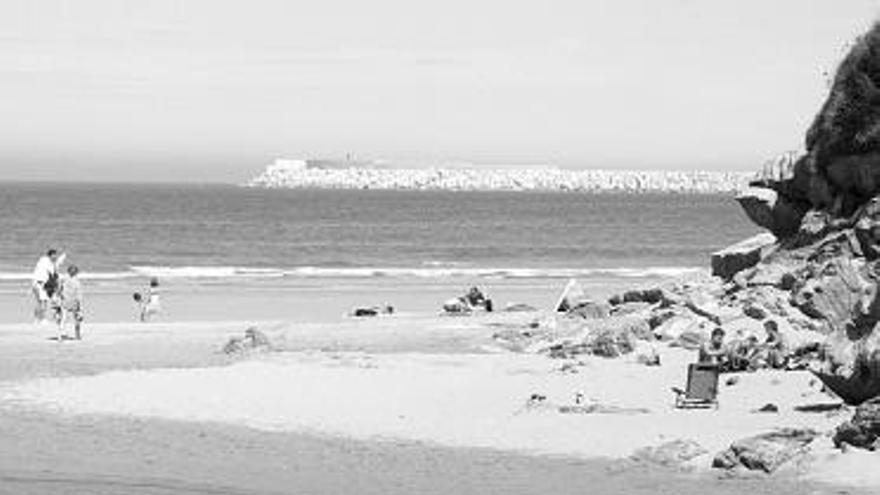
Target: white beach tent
[[571, 295]]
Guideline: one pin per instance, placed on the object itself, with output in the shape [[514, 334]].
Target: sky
[[212, 90]]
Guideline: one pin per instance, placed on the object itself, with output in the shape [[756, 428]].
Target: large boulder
[[253, 340], [731, 260], [766, 208], [609, 337], [653, 295], [590, 310], [863, 430], [765, 452], [851, 368], [833, 293]]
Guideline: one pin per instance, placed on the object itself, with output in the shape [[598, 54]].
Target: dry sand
[[389, 405]]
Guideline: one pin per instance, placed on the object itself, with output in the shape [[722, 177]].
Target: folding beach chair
[[702, 387]]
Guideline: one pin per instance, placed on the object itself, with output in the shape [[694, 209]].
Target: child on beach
[[70, 299], [149, 301]]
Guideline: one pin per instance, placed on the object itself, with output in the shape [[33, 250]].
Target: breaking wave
[[432, 271]]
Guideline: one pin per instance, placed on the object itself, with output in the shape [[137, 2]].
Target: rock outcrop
[[815, 275], [839, 171], [823, 204], [252, 341], [731, 260], [765, 452], [863, 430]]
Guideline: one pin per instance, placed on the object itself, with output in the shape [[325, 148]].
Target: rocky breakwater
[[302, 174]]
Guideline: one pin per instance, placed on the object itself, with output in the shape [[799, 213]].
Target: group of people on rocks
[[58, 295], [747, 354]]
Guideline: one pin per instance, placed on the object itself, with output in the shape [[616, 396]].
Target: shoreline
[[301, 301]]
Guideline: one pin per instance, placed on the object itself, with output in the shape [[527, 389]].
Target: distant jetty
[[328, 174]]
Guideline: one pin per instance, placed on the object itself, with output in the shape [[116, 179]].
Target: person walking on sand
[[149, 301], [71, 301], [44, 283]]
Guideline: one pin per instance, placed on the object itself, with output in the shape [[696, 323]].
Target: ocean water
[[118, 231]]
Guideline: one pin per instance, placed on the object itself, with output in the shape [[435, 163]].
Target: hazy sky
[[214, 89]]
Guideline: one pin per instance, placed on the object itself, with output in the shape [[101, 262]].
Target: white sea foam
[[26, 276], [429, 271], [205, 272]]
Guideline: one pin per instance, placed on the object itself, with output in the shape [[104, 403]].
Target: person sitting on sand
[[714, 351], [476, 298], [743, 354], [71, 303], [149, 301], [774, 348]]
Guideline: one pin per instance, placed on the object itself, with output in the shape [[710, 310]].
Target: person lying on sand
[[387, 309]]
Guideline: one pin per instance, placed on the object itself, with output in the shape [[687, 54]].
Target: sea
[[232, 253], [218, 231]]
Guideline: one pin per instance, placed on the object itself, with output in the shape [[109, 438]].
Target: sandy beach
[[382, 405], [439, 248]]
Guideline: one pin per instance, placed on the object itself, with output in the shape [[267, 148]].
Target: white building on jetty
[[309, 174]]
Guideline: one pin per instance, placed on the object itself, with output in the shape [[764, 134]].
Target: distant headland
[[349, 174]]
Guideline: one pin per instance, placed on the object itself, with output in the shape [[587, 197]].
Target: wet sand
[[87, 455]]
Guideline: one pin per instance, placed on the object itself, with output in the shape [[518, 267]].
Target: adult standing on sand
[[44, 282]]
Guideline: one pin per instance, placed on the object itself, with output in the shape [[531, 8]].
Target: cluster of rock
[[253, 341], [815, 273], [681, 314], [863, 430], [823, 205], [298, 174]]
